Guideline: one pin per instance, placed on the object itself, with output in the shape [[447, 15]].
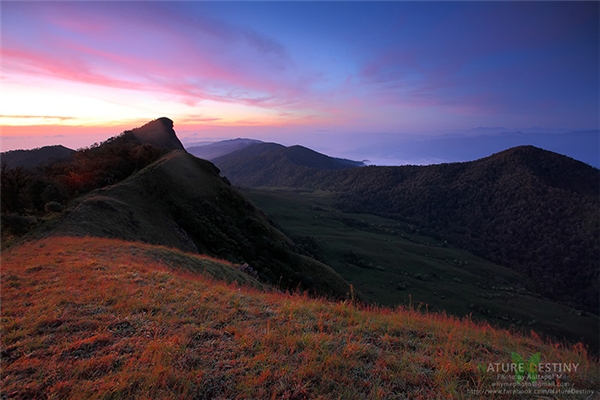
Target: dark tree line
[[49, 187]]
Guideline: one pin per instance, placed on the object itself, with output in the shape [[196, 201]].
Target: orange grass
[[99, 318]]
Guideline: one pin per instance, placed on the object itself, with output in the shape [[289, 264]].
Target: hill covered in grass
[[102, 318], [183, 202], [532, 210]]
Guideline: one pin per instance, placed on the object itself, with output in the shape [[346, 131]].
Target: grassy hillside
[[390, 263], [96, 318], [181, 201]]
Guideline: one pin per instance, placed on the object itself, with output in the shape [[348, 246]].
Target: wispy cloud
[[160, 49], [45, 117], [488, 59]]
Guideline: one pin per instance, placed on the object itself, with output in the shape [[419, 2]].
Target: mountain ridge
[[111, 297], [477, 205], [143, 186]]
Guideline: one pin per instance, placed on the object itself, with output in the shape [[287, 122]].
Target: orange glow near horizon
[[26, 131]]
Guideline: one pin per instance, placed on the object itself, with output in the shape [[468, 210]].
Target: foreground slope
[[532, 210], [181, 201], [97, 318]]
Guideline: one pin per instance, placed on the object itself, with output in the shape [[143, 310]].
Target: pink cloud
[[139, 49], [36, 63]]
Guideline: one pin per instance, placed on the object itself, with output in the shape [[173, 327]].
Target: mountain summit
[[159, 133]]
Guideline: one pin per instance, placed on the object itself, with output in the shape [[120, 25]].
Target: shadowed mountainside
[[217, 149], [182, 202], [532, 210], [265, 163]]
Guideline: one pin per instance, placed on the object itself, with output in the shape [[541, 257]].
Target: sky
[[389, 82]]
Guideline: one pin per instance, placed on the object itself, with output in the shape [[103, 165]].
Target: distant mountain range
[[271, 155]]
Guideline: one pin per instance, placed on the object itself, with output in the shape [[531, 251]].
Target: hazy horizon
[[389, 150]]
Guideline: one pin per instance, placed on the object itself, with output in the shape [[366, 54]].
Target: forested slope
[[529, 209]]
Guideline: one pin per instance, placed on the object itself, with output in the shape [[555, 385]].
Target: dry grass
[[97, 318]]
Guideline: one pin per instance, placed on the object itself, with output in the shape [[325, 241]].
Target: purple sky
[[393, 82]]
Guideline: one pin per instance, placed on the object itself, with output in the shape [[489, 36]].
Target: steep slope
[[265, 163], [532, 210], [89, 318], [217, 149], [31, 159], [182, 202]]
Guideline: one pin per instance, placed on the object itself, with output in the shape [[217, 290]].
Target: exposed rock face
[[159, 133]]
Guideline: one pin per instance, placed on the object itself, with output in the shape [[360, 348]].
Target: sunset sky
[[393, 82]]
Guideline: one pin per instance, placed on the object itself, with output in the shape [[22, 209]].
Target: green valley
[[391, 264]]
